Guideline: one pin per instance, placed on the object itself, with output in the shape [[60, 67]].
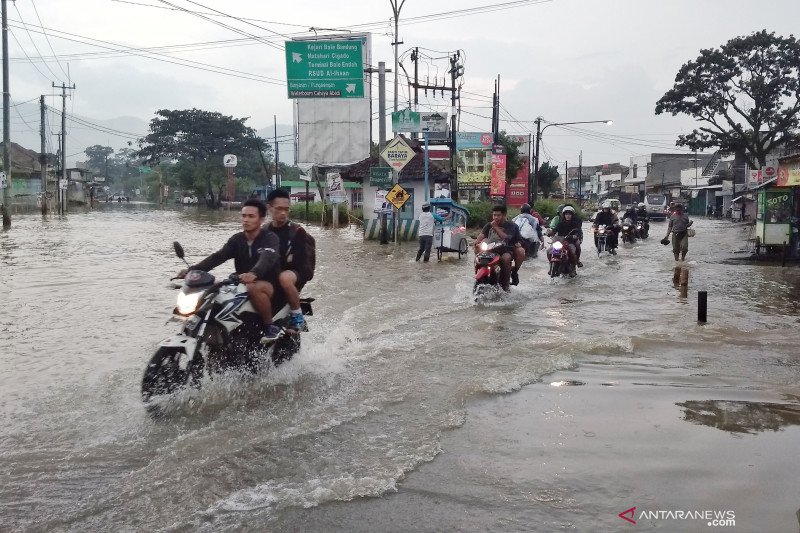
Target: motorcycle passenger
[[611, 221], [533, 243], [500, 229], [569, 227], [630, 213], [254, 251], [641, 214], [294, 260], [557, 217]]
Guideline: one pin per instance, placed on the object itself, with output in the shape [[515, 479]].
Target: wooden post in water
[[702, 306]]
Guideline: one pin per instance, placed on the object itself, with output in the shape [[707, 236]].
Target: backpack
[[311, 249], [525, 227]]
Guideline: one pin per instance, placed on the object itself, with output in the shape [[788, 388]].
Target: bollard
[[702, 306]]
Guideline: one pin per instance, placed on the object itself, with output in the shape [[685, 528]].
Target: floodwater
[[397, 358]]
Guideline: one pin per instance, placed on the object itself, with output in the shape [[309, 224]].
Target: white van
[[656, 205]]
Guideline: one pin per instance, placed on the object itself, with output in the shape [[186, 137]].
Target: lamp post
[[533, 194]]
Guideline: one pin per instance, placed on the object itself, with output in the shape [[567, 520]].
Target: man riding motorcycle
[[503, 230], [530, 244], [610, 220], [254, 251], [641, 214], [569, 227]]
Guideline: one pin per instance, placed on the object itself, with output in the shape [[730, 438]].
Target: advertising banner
[[474, 159], [336, 187], [498, 183], [789, 174]]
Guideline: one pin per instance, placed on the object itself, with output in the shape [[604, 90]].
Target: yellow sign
[[789, 174], [397, 196], [397, 153]]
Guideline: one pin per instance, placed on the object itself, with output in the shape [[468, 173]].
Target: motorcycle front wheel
[[164, 374]]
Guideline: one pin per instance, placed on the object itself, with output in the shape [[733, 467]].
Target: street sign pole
[[395, 211], [427, 188]]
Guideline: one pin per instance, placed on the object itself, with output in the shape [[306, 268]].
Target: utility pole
[[455, 72], [415, 59], [566, 179], [63, 193], [535, 191], [58, 171], [43, 156], [396, 11], [277, 153], [381, 128], [580, 176], [6, 123]]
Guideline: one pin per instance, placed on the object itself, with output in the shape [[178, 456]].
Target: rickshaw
[[450, 235]]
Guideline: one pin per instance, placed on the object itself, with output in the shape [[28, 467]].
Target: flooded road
[[396, 356]]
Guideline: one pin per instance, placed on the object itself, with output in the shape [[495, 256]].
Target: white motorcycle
[[219, 330]]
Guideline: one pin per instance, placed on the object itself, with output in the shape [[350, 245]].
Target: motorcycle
[[487, 268], [558, 257], [219, 330], [602, 234], [641, 229], [627, 232]]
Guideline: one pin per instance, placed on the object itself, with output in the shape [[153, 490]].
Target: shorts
[[680, 242], [300, 283]]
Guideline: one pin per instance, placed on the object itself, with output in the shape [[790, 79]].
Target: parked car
[[656, 205]]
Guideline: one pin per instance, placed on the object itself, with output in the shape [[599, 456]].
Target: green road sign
[[325, 69], [144, 170], [380, 177]]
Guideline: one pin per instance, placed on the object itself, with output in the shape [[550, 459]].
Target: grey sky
[[566, 60]]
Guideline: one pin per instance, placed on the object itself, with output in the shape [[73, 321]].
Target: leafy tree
[[98, 158], [197, 140], [746, 94], [548, 179]]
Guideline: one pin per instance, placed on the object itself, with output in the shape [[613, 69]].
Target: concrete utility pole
[[43, 156], [381, 127], [535, 186], [277, 153], [396, 12], [62, 194], [6, 123]]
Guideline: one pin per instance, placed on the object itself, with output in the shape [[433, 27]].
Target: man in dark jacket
[[607, 218], [569, 228], [254, 251], [294, 261]]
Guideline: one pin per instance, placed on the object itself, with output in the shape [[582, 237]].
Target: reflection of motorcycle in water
[[627, 232], [488, 268], [219, 330], [641, 229], [558, 256]]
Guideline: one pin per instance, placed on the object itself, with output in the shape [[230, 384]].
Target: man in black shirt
[[254, 251], [502, 230], [294, 261]]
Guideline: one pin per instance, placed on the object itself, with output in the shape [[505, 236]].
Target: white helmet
[[568, 209], [606, 204], [641, 204]]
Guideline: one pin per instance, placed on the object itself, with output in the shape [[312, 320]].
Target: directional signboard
[[397, 153], [325, 68], [397, 196], [380, 177], [229, 160]]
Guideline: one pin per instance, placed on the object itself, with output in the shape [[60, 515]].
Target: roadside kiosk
[[450, 235], [774, 213]]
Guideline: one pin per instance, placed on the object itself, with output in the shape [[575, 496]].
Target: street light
[[535, 186]]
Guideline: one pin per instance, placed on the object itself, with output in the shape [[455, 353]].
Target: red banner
[[497, 187]]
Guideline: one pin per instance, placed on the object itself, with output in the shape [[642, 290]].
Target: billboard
[[474, 159], [333, 130]]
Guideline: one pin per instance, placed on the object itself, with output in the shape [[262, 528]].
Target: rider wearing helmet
[[641, 214], [569, 228], [526, 212], [609, 219], [556, 218]]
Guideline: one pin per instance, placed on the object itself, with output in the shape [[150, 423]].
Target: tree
[[549, 179], [746, 94], [198, 139], [98, 158]]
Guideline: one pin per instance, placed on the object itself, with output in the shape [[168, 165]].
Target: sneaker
[[271, 333], [297, 321], [514, 277]]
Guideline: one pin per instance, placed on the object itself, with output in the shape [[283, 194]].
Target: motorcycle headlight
[[625, 227], [187, 302], [557, 246], [484, 246]]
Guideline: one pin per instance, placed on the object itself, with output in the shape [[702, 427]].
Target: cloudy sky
[[563, 60]]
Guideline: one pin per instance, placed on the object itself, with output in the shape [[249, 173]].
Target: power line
[[48, 41]]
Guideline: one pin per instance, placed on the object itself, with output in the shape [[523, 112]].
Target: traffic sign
[[229, 160], [406, 121], [397, 153], [397, 196], [380, 177], [143, 169], [325, 68], [433, 122]]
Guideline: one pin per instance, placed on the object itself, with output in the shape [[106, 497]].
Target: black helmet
[[560, 208], [526, 208]]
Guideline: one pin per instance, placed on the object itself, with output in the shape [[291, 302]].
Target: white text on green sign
[[325, 69]]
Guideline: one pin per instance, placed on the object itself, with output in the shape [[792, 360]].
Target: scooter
[[641, 229], [602, 234], [219, 330], [487, 269]]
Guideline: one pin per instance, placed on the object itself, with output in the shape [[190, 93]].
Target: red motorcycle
[[487, 268]]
